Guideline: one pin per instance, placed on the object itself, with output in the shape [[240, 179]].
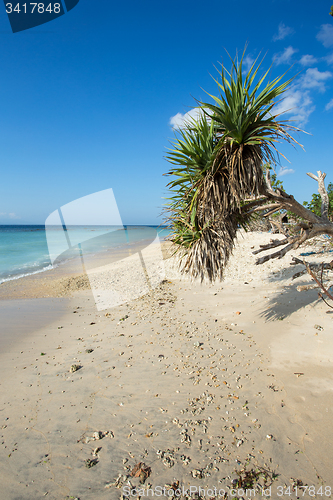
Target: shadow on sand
[[288, 300]]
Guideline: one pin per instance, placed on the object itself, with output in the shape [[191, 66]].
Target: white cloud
[[325, 35], [11, 215], [285, 171], [329, 59], [329, 105], [285, 56], [179, 120], [308, 60], [247, 63], [296, 103], [315, 79], [283, 32]]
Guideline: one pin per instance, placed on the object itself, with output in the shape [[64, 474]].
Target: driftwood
[[309, 227], [316, 271]]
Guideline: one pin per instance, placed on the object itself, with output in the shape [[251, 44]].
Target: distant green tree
[[331, 13], [315, 204]]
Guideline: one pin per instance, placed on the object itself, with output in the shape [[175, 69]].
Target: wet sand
[[21, 318], [201, 384]]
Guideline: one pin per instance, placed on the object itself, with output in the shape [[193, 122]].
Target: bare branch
[[322, 191], [275, 243], [312, 225], [313, 266], [289, 203], [268, 179], [254, 202], [319, 283], [271, 212], [316, 272], [293, 243], [313, 176], [281, 253], [277, 206]]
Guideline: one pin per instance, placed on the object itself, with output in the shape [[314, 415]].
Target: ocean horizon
[[24, 248]]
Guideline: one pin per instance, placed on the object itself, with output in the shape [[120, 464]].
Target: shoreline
[[194, 380], [67, 277], [118, 249]]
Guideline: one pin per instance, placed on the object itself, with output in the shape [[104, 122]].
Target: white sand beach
[[199, 384]]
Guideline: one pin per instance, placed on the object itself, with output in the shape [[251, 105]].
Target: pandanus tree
[[218, 177]]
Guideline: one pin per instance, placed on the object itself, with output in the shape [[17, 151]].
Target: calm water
[[24, 250]]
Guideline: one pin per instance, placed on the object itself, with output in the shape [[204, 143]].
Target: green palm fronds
[[217, 162]]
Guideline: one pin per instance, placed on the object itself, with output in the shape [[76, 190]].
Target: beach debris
[[260, 477], [118, 482], [142, 471], [97, 436], [318, 327], [173, 486], [74, 368], [43, 353], [296, 482], [88, 351], [186, 460], [167, 457], [273, 388], [90, 462], [298, 374], [185, 437], [197, 473], [96, 451], [124, 318]]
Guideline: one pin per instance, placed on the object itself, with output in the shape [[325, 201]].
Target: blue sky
[[88, 100]]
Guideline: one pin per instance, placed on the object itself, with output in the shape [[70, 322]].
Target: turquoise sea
[[24, 250]]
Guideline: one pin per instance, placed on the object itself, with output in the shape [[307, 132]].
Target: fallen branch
[[293, 243], [311, 226], [316, 272], [313, 265], [320, 283], [274, 244]]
